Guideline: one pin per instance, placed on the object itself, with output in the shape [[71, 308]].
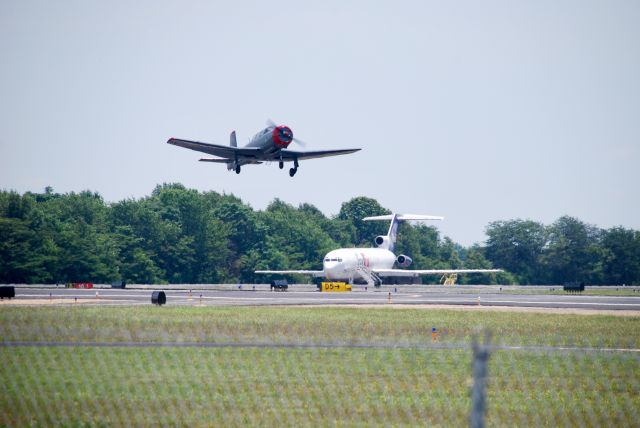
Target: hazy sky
[[474, 110]]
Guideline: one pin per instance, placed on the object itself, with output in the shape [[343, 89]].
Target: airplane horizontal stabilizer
[[405, 217], [227, 161]]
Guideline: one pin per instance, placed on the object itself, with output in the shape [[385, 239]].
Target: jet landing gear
[[237, 169], [293, 170]]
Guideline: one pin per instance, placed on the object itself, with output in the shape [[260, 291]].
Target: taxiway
[[305, 295]]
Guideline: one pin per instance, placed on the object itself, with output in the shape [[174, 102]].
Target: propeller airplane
[[269, 145]]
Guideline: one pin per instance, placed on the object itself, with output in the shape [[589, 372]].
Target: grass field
[[319, 373]]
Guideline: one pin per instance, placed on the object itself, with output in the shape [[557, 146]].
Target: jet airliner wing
[[314, 273], [227, 152], [414, 273], [290, 155]]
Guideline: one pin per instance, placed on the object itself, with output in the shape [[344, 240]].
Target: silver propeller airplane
[[268, 145]]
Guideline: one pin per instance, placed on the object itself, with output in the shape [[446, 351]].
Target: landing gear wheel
[[281, 164], [292, 172], [238, 169]]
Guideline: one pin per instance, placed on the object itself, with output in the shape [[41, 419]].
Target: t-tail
[[388, 242]]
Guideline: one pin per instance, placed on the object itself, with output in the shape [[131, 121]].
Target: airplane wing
[[314, 273], [290, 155], [414, 273], [227, 152], [216, 160]]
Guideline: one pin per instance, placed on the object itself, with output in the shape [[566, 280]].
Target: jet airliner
[[373, 265], [268, 145]]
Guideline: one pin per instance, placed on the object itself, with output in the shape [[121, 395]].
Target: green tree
[[194, 244], [621, 249], [180, 235], [303, 242], [343, 232], [76, 227], [136, 264], [358, 208], [572, 253], [517, 245], [475, 259]]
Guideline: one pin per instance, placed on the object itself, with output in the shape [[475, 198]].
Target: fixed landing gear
[[237, 169], [281, 164], [293, 170]]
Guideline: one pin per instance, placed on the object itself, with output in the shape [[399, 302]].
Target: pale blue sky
[[477, 111]]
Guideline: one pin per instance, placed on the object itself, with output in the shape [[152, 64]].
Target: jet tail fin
[[232, 139]]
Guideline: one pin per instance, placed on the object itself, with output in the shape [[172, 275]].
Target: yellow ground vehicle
[[449, 279]]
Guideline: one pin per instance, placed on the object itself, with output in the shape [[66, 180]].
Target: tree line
[[180, 235]]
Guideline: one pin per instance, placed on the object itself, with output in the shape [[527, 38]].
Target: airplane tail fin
[[232, 139], [388, 242]]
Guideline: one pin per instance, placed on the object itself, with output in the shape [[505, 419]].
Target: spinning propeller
[[286, 133]]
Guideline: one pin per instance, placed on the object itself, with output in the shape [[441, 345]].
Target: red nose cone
[[282, 136]]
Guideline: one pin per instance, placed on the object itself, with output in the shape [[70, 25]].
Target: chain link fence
[[312, 367]]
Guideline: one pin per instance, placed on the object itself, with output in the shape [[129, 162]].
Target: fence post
[[481, 353]]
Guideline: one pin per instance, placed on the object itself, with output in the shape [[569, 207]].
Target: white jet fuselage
[[343, 264]]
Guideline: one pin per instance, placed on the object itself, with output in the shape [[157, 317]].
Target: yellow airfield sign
[[335, 286]]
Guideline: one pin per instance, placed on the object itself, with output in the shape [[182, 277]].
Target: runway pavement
[[306, 295]]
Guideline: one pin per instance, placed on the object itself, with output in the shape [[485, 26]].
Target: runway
[[422, 296]]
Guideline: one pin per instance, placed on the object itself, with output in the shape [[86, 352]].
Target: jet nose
[[330, 270], [333, 268]]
